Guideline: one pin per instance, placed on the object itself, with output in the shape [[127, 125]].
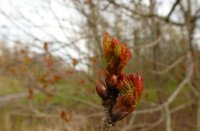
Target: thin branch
[[150, 15], [189, 72], [106, 124], [170, 67], [170, 99], [130, 123], [194, 91], [37, 115], [152, 44], [168, 119], [11, 98], [182, 106], [149, 126], [172, 9], [158, 122]]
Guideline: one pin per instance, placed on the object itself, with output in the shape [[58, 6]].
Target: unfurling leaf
[[115, 55], [121, 92]]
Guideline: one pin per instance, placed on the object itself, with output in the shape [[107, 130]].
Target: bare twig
[[170, 99], [130, 123], [36, 115], [182, 106], [152, 44], [194, 91], [170, 67], [172, 9], [10, 98], [150, 15], [148, 126], [168, 119], [189, 72], [156, 123], [106, 124]]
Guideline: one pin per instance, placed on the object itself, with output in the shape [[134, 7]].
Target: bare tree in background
[[165, 49]]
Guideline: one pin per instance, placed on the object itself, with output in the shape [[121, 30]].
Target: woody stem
[[106, 122]]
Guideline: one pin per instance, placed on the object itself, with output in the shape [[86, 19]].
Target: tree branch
[[172, 9]]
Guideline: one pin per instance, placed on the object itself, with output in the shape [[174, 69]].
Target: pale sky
[[43, 16], [37, 11], [40, 21], [46, 20]]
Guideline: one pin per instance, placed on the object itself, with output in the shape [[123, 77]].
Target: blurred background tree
[[50, 57]]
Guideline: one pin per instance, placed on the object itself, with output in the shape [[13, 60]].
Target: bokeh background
[[50, 58]]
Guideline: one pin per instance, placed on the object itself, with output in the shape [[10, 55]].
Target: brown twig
[[106, 124]]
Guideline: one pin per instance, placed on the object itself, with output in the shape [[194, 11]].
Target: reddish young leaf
[[121, 93], [115, 55]]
